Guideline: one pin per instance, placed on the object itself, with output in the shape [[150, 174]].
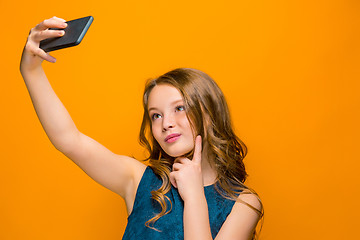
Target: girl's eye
[[180, 108], [155, 116]]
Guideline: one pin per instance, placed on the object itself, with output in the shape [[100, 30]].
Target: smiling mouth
[[172, 137]]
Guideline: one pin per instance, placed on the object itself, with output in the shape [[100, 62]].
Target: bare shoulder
[[137, 167], [243, 218], [250, 199]]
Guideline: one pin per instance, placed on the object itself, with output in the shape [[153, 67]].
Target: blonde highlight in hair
[[209, 116]]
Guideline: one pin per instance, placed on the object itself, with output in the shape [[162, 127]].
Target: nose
[[168, 122]]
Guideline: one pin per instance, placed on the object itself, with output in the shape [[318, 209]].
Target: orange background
[[290, 72]]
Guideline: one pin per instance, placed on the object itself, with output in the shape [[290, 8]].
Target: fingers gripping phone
[[74, 33]]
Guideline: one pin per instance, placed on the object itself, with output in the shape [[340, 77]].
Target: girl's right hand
[[32, 55]]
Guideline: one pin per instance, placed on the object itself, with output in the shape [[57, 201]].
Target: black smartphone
[[74, 33]]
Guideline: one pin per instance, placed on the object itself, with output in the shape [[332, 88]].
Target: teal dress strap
[[170, 226]]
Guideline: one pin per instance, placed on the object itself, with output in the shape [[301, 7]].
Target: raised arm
[[118, 173], [53, 116]]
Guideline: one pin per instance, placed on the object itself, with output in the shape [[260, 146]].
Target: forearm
[[196, 219], [52, 114]]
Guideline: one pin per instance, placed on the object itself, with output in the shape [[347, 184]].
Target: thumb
[[197, 150]]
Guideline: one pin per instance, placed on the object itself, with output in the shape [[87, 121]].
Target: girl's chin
[[178, 154], [175, 155], [177, 151]]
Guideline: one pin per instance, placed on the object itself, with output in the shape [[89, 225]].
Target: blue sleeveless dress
[[170, 226]]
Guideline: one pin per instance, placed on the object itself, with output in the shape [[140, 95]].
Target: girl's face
[[169, 123]]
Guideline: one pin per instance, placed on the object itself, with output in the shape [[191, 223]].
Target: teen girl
[[193, 185]]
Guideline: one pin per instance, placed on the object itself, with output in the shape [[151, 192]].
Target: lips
[[172, 137]]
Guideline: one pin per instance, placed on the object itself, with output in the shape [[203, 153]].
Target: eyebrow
[[172, 103]]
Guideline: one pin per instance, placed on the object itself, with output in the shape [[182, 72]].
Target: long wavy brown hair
[[209, 116]]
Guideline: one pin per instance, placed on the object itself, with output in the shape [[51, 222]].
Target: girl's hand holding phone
[[33, 56]]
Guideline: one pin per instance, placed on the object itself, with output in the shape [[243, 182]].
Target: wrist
[[196, 197], [30, 64], [27, 71]]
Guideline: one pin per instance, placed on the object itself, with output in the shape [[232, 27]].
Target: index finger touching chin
[[197, 149]]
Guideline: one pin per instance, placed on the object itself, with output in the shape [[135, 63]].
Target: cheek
[[156, 131], [186, 125]]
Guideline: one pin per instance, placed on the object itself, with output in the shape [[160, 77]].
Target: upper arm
[[120, 174], [242, 220]]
